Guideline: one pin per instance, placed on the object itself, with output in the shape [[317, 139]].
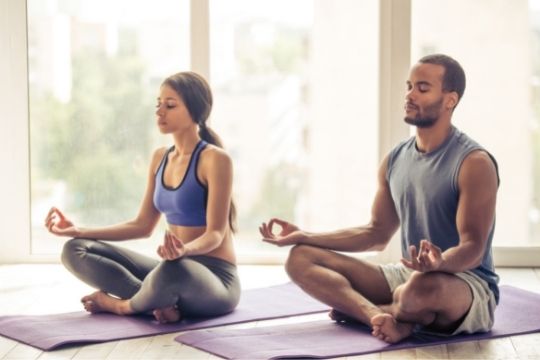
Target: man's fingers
[[60, 214], [269, 227], [412, 251], [266, 230], [281, 223], [272, 241], [278, 221], [407, 263]]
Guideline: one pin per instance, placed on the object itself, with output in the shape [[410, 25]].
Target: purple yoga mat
[[518, 313], [48, 332]]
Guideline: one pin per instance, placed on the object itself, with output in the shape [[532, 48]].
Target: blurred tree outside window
[[94, 70]]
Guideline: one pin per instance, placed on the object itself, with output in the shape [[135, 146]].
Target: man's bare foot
[[167, 315], [340, 317], [387, 328], [101, 302]]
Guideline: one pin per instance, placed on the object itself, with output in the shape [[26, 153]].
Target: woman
[[191, 183]]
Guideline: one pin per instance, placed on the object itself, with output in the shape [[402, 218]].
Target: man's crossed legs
[[359, 290]]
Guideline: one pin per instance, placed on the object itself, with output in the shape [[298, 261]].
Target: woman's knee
[[72, 251], [172, 276]]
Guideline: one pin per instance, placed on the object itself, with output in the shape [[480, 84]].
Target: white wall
[[14, 164]]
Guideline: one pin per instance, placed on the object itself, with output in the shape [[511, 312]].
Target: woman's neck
[[185, 143]]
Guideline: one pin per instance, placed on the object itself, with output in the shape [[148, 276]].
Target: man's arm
[[478, 183], [373, 236]]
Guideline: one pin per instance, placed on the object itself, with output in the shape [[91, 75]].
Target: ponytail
[[209, 135]]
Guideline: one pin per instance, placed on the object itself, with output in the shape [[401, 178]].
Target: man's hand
[[428, 258], [289, 235], [173, 248]]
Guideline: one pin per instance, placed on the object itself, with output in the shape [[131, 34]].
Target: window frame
[[15, 222]]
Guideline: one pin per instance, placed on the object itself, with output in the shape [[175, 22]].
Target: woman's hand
[[58, 224], [172, 248], [289, 235]]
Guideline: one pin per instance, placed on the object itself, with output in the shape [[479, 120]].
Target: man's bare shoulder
[[478, 167]]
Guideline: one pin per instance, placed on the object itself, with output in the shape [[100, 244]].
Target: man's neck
[[429, 139]]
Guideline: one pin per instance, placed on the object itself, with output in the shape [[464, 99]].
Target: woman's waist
[[186, 233], [224, 251]]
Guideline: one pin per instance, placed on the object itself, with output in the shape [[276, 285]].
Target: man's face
[[424, 99]]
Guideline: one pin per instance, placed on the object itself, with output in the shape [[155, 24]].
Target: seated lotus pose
[[191, 183], [440, 187]]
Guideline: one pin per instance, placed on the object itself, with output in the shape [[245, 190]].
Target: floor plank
[[164, 347], [527, 346], [464, 350], [130, 348], [498, 349], [62, 354], [22, 351], [95, 351], [6, 345], [432, 352]]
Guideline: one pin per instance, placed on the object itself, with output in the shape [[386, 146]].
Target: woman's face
[[171, 112]]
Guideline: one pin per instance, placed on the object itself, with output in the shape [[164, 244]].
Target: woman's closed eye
[[168, 106]]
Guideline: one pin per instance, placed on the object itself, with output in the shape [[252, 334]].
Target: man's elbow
[[381, 241], [478, 261]]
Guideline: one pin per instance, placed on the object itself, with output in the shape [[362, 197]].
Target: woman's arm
[[141, 226], [216, 171]]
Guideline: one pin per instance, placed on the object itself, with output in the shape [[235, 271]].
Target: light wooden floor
[[46, 289]]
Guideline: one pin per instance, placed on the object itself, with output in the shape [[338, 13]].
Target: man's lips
[[410, 107]]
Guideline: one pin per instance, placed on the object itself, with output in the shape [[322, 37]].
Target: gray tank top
[[424, 187]]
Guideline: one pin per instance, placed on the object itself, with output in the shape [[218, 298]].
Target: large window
[[94, 71], [295, 102], [308, 98], [497, 43]]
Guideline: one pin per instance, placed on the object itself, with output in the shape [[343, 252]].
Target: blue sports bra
[[184, 205]]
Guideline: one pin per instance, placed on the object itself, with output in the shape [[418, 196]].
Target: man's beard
[[428, 117]]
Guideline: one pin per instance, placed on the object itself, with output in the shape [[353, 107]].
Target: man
[[440, 187]]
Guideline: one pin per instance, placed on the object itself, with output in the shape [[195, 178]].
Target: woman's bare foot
[[387, 328], [167, 315], [101, 302]]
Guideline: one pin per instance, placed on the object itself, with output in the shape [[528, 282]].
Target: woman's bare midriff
[[224, 251]]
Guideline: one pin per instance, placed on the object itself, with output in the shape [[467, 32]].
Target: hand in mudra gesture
[[58, 224], [172, 248], [290, 234]]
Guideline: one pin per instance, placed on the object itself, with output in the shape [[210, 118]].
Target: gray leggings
[[198, 285]]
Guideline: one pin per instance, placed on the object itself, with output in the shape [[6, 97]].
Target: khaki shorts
[[480, 316]]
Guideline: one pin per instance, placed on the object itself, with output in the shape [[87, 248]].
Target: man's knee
[[299, 257], [418, 294]]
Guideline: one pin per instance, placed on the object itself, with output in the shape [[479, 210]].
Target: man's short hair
[[454, 76]]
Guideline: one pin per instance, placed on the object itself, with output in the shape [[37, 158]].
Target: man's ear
[[452, 100]]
